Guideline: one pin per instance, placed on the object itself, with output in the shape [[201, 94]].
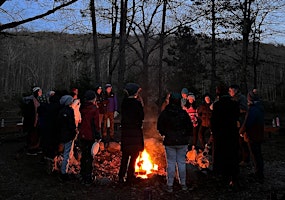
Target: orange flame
[[144, 165]]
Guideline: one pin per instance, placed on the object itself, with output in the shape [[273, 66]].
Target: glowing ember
[[144, 165]]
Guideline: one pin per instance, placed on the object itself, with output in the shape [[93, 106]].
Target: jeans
[[66, 151], [176, 155]]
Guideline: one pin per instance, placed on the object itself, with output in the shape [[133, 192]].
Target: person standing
[[111, 111], [191, 109], [236, 95], [31, 120], [175, 126], [253, 132], [102, 103], [204, 113], [225, 116], [67, 132], [132, 140], [184, 95], [88, 134], [76, 106]]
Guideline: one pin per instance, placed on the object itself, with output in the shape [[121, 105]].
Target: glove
[[116, 114]]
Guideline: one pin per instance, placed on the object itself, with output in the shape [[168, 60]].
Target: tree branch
[[17, 23]]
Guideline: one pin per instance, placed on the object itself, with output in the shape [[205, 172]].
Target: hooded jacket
[[175, 124]]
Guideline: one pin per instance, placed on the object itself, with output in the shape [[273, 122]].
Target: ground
[[24, 177]]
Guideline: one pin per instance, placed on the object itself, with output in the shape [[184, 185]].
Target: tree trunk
[[245, 40], [122, 45], [114, 27], [95, 42], [213, 70], [161, 49]]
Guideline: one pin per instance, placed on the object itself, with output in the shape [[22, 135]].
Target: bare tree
[[51, 11], [95, 41], [122, 45], [161, 50], [114, 20]]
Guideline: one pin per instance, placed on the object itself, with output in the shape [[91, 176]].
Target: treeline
[[57, 61]]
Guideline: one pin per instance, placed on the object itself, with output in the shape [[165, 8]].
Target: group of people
[[53, 122], [236, 132], [234, 122]]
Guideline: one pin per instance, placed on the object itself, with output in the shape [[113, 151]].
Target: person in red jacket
[[88, 134]]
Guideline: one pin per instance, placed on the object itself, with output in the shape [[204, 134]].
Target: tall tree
[[161, 50], [122, 45], [114, 19], [95, 41]]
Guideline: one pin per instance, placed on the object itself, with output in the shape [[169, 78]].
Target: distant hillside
[[55, 61]]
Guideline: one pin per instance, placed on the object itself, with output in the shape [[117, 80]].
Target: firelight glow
[[144, 165]]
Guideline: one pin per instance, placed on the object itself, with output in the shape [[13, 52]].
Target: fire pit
[[144, 165]]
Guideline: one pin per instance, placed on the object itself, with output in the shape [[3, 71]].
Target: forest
[[153, 43]]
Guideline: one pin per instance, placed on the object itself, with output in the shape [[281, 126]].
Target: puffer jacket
[[175, 124], [131, 121], [66, 124]]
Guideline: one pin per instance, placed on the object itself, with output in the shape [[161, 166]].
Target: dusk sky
[[74, 23]]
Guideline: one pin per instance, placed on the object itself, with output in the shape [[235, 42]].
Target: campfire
[[144, 165]]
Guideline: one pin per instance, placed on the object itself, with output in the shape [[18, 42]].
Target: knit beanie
[[132, 88], [184, 91], [66, 100], [89, 95]]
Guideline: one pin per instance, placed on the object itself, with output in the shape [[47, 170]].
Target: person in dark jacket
[[49, 132], [224, 121], [175, 126], [132, 140], [253, 132], [31, 121], [110, 114], [102, 103], [67, 132], [89, 133], [236, 95]]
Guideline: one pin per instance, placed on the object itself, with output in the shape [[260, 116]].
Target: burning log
[[144, 165]]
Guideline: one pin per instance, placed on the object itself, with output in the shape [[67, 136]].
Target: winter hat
[[184, 91], [36, 89], [89, 95], [191, 95], [98, 87], [66, 100], [108, 85], [175, 98], [252, 97], [132, 88]]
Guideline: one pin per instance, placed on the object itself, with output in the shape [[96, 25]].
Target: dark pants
[[33, 138], [195, 135], [201, 135], [244, 151], [131, 152], [86, 159], [255, 150]]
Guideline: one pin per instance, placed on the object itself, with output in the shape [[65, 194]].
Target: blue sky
[[74, 23]]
